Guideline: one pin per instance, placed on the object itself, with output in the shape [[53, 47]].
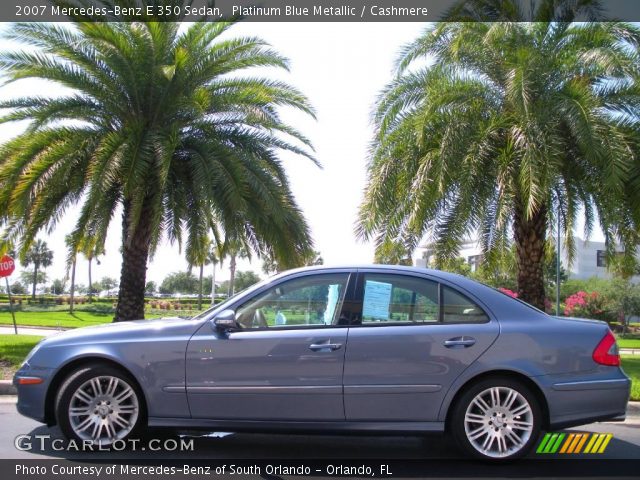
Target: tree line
[[506, 126]]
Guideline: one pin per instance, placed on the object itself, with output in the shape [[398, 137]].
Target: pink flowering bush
[[506, 291], [583, 304]]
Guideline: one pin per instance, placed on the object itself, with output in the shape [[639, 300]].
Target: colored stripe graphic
[[543, 443], [573, 443], [556, 445], [582, 442], [550, 443], [594, 437], [606, 442], [570, 440]]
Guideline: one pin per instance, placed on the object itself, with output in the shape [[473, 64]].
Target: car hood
[[123, 330]]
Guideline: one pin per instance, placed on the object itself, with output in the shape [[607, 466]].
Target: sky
[[341, 67]]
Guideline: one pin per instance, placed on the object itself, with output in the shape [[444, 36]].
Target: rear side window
[[393, 299], [457, 308], [399, 299]]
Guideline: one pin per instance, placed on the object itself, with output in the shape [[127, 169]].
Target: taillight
[[606, 353]]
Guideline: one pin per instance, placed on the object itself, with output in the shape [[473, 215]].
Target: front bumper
[[32, 396]]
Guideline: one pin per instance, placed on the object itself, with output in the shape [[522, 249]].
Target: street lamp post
[[558, 267]]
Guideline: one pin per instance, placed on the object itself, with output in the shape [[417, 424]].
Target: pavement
[[40, 331], [625, 444], [415, 457]]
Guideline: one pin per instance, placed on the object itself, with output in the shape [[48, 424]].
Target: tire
[[496, 419], [99, 404]]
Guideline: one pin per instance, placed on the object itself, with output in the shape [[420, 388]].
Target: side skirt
[[292, 427]]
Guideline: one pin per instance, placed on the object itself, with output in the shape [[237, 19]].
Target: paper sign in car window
[[332, 301], [377, 297]]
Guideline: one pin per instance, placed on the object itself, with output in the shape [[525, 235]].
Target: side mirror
[[226, 321]]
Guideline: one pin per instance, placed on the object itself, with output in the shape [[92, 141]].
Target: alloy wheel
[[103, 409], [498, 422]]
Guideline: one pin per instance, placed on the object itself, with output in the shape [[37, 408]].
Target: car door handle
[[317, 347], [460, 342]]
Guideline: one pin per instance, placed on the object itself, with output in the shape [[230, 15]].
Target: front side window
[[310, 300], [396, 298]]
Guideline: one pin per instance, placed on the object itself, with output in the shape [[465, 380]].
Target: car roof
[[453, 277]]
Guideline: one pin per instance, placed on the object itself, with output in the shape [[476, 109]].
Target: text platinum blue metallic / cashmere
[[368, 349]]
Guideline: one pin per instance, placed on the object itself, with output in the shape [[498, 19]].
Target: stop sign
[[7, 266]]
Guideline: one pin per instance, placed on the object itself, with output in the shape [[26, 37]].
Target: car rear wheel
[[99, 404], [496, 419]]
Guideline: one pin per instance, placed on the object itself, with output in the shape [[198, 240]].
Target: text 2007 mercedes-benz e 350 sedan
[[368, 349]]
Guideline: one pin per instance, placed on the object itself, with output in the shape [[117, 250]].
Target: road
[[624, 445]]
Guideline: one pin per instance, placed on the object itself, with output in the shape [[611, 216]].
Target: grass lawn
[[65, 319], [631, 366], [628, 342], [56, 319], [13, 349]]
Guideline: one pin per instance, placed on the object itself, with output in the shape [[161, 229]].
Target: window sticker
[[377, 298]]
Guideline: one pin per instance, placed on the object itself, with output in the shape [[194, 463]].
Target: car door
[[415, 337], [284, 363]]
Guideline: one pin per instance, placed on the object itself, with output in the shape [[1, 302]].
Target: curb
[[633, 409], [7, 388], [630, 351]]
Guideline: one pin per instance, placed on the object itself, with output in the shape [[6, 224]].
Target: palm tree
[[38, 255], [72, 256], [91, 247], [198, 254], [511, 124], [214, 258], [159, 121], [234, 247], [311, 257]]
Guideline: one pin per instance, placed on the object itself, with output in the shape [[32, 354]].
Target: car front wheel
[[496, 419], [99, 404]]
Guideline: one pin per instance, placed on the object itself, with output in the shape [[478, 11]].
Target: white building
[[589, 260], [469, 250]]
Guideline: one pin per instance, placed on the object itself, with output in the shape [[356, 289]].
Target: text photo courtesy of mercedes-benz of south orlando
[[309, 238]]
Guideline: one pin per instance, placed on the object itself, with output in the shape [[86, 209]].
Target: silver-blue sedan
[[357, 349]]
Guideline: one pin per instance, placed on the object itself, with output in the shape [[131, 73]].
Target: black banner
[[105, 469], [315, 10]]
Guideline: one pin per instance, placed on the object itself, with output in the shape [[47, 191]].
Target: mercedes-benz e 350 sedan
[[360, 349]]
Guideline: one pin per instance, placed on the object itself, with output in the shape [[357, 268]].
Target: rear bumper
[[586, 400]]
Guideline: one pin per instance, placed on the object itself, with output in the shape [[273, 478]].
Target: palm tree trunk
[[73, 285], [35, 281], [213, 284], [530, 236], [232, 276], [90, 286], [200, 292], [135, 253]]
